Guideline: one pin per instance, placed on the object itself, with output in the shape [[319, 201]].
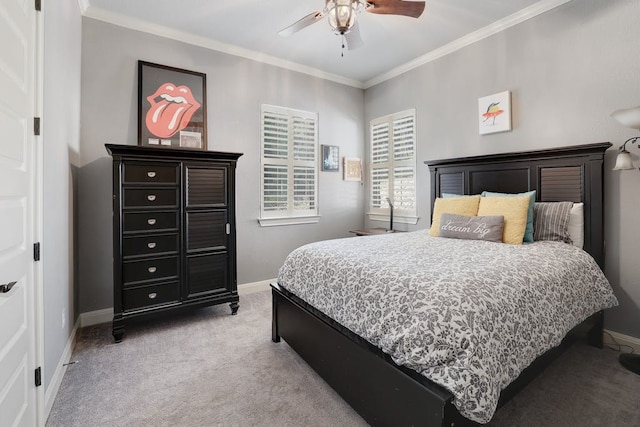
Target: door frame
[[37, 220]]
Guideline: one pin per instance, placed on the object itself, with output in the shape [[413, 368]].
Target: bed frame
[[386, 394]]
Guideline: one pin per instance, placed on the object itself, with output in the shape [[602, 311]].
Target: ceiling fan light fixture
[[342, 14]]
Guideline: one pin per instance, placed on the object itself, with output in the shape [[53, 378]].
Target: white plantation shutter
[[289, 172], [304, 189], [393, 164], [379, 163], [275, 189], [404, 188]]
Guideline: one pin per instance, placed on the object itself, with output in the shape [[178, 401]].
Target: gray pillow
[[551, 221], [487, 228]]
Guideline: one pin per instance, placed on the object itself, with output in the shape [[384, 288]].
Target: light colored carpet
[[208, 368]]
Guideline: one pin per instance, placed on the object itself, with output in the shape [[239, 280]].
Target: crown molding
[[498, 26], [162, 31], [192, 39]]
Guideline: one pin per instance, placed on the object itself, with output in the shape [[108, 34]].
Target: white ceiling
[[249, 28]]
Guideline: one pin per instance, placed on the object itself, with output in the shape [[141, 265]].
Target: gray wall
[[236, 87], [61, 138], [568, 69]]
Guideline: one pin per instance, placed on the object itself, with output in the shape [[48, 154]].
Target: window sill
[[290, 220], [397, 219]]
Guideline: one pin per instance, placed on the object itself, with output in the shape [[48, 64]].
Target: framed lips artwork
[[172, 107]]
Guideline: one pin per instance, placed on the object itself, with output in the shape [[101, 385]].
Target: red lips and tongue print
[[171, 110]]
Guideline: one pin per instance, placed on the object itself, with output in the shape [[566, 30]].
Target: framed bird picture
[[494, 113]]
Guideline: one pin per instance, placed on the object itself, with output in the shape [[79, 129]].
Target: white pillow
[[576, 225]]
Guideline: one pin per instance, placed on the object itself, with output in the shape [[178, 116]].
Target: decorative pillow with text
[[487, 228]]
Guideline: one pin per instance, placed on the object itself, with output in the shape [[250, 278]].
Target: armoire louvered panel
[[206, 186], [206, 274], [206, 230]]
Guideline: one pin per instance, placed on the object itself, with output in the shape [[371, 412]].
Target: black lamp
[[629, 117]]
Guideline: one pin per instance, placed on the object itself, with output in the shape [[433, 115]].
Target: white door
[[17, 180]]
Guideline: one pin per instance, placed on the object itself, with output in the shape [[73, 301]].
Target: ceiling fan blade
[[397, 7], [353, 38], [311, 18]]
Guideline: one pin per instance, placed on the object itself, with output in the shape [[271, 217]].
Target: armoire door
[[208, 229]]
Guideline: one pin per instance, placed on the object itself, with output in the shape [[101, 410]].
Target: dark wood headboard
[[573, 174]]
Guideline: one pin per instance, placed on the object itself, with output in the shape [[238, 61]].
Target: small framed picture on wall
[[494, 113], [330, 158], [352, 169]]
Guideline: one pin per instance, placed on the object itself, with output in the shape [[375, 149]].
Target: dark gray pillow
[[551, 221], [487, 228]]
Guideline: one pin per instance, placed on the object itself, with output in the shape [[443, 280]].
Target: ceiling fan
[[342, 16]]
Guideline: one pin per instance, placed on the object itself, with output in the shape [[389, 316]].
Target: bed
[[378, 383]]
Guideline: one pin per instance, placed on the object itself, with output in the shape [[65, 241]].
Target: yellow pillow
[[467, 205], [514, 210]]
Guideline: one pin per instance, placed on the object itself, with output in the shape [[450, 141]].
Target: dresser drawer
[[150, 245], [147, 296], [150, 197], [150, 221], [151, 269], [150, 173]]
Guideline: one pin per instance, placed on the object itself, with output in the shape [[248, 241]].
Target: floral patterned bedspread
[[469, 315]]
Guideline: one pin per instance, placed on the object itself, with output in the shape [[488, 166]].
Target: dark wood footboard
[[382, 392]]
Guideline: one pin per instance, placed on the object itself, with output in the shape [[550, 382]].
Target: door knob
[[6, 287]]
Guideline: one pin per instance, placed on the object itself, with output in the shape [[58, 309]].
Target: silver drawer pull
[[153, 295], [151, 245], [151, 174], [152, 269], [151, 197], [151, 221]]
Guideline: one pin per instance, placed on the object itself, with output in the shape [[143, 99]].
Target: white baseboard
[[96, 317], [106, 315], [250, 288], [621, 339], [58, 375]]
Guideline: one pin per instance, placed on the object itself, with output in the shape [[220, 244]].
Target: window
[[289, 171], [393, 167]]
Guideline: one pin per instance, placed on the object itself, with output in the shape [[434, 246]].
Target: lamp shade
[[623, 161], [629, 117]]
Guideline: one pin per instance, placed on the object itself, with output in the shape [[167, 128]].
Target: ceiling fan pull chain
[[342, 53]]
